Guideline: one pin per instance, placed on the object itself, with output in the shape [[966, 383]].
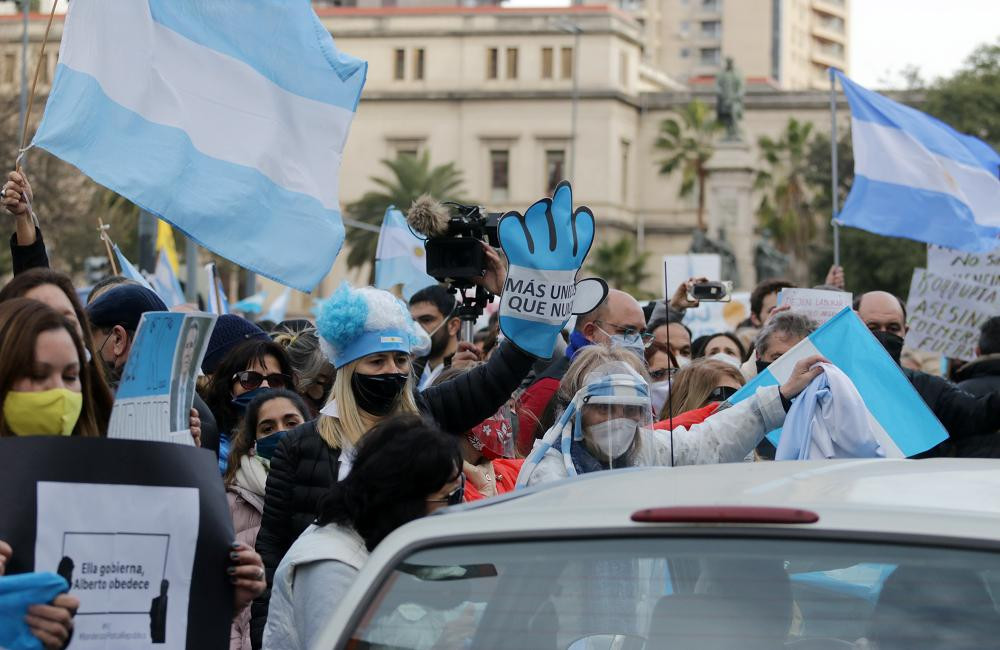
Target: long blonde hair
[[695, 382], [349, 426]]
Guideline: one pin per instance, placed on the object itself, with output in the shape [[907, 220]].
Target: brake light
[[725, 515]]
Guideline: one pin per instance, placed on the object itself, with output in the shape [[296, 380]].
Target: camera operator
[[371, 340], [434, 309]]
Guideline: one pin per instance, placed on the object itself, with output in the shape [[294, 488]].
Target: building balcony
[[832, 7], [827, 58]]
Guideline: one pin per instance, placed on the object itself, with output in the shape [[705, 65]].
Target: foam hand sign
[[546, 247]]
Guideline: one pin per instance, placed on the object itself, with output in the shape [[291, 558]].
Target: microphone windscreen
[[428, 217]]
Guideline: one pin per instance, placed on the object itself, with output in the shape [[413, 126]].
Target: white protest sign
[[539, 295], [818, 304], [946, 313], [680, 268], [983, 268]]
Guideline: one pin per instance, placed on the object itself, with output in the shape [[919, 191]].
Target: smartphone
[[711, 291]]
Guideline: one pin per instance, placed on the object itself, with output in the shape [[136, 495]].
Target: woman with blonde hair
[[702, 383], [607, 421], [370, 338]]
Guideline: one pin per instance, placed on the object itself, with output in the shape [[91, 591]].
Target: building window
[[626, 147], [499, 173], [623, 67], [399, 66], [548, 62], [711, 5], [492, 63], [566, 71], [710, 56], [685, 52], [685, 27], [418, 63], [512, 63], [555, 168], [711, 28]]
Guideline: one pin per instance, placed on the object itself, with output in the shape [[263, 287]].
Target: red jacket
[[689, 418], [506, 470]]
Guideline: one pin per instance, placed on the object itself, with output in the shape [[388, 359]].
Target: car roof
[[933, 497]]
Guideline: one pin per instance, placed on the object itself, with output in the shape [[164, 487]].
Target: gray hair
[[307, 359], [787, 324]]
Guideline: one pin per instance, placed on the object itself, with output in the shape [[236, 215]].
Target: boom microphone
[[428, 217]]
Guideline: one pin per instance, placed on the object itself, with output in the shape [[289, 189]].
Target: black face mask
[[377, 394], [762, 366], [893, 344]]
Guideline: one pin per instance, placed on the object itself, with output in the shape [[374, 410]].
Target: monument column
[[730, 207]]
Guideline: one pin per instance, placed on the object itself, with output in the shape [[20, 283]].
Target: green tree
[[969, 100], [620, 265], [785, 208], [688, 142], [412, 177]]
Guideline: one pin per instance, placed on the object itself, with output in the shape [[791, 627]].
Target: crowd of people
[[331, 434]]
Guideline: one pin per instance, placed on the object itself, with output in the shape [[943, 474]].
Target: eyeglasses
[[662, 373], [630, 331], [251, 379], [721, 393], [454, 497]]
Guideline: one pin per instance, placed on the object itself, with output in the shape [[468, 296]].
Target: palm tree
[[688, 144], [412, 176], [620, 265], [785, 209]]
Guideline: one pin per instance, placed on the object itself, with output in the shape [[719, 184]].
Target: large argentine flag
[[904, 425], [227, 118], [916, 177], [399, 256]]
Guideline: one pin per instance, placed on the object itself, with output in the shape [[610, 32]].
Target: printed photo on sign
[[127, 552]]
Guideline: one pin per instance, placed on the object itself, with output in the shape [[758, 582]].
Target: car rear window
[[683, 592]]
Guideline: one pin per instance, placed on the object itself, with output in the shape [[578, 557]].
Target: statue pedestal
[[731, 172]]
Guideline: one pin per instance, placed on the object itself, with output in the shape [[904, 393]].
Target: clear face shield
[[614, 407]]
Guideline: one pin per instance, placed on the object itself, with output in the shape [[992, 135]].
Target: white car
[[886, 554]]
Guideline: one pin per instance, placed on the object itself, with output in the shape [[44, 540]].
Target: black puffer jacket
[[304, 466], [981, 376], [966, 417]]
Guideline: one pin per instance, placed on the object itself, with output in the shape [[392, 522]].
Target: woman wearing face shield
[[607, 421]]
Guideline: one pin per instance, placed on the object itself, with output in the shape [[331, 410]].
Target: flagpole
[[103, 229], [833, 165]]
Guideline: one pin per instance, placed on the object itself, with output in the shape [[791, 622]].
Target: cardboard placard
[[946, 313], [818, 304], [983, 268], [140, 530]]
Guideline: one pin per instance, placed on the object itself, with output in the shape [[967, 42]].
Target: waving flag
[[916, 177], [218, 302], [165, 282], [226, 118], [399, 256], [276, 312], [128, 270], [251, 304], [165, 244], [903, 424]]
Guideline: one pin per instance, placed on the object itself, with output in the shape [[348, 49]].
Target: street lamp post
[[571, 27]]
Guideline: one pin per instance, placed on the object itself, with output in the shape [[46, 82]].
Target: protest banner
[[140, 530], [817, 304], [154, 398], [946, 313], [983, 268]]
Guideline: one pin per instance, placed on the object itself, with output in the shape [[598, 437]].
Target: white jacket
[[725, 437]]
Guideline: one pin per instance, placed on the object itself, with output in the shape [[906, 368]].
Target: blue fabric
[[887, 393], [922, 213], [577, 341], [19, 592], [549, 237], [387, 340], [400, 256], [223, 452], [129, 271]]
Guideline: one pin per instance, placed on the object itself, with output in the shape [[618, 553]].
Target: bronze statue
[[729, 100], [702, 243], [768, 261]]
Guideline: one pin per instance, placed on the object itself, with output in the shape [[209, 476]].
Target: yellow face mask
[[42, 413]]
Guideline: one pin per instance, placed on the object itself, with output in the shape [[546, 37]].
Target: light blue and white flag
[[917, 177], [226, 118], [400, 257], [218, 302], [251, 304], [902, 422], [165, 282], [129, 271], [276, 312]]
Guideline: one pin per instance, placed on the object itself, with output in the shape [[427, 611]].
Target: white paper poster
[[946, 313], [818, 304], [129, 565]]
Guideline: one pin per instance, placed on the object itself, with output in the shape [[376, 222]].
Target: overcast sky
[[935, 35]]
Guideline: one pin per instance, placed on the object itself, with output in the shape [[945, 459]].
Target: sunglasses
[[251, 379], [721, 393], [454, 497], [663, 373]]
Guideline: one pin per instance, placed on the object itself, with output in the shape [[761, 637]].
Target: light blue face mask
[[632, 343]]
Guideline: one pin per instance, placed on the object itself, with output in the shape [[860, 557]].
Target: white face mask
[[658, 392], [612, 438], [727, 358], [683, 361]]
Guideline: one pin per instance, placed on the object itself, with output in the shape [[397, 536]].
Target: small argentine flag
[[916, 177], [903, 423], [226, 118], [399, 257], [129, 271]]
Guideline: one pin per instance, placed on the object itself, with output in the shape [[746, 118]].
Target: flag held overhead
[[227, 119]]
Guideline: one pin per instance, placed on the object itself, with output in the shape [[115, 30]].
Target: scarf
[[252, 475], [577, 341]]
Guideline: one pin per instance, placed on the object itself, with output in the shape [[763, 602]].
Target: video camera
[[456, 255]]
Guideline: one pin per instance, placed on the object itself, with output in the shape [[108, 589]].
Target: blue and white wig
[[354, 323]]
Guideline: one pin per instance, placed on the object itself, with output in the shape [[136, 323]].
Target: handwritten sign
[[983, 268], [946, 313], [817, 304]]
